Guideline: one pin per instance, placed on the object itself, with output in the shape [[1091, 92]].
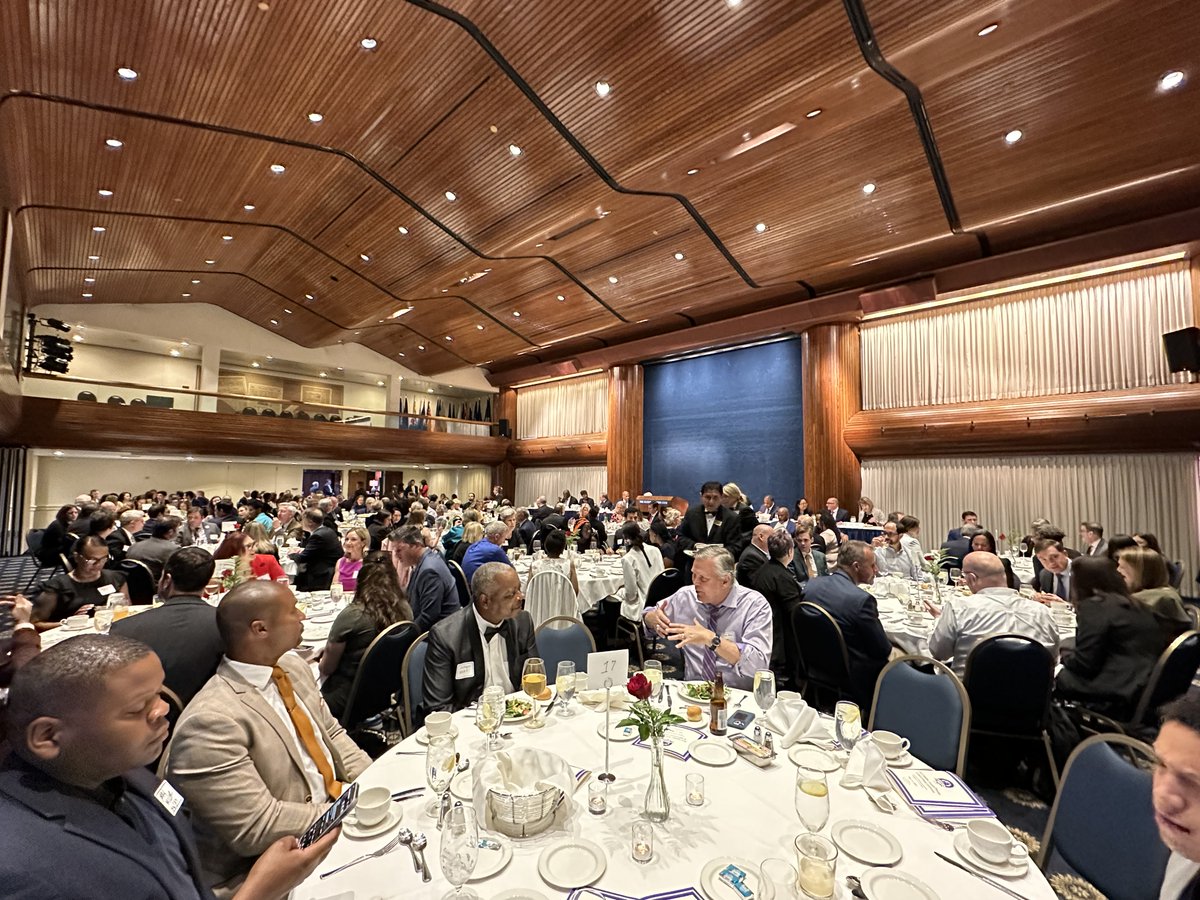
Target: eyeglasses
[[92, 560]]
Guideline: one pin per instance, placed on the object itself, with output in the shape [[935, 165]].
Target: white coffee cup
[[890, 743], [995, 843], [437, 723], [74, 622], [372, 806]]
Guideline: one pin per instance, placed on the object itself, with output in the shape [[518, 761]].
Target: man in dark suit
[[857, 615], [1054, 580], [183, 631], [431, 588], [701, 524], [541, 510], [776, 580], [968, 518], [807, 563], [481, 644], [80, 815], [120, 539], [959, 547], [835, 510], [754, 556], [318, 553]]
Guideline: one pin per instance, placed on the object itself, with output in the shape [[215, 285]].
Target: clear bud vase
[[658, 802]]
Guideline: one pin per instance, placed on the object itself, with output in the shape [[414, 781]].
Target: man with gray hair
[[483, 644], [720, 625], [121, 539], [431, 588], [490, 549]]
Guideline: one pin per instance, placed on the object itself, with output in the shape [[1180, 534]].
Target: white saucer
[[715, 889], [352, 829], [888, 884], [572, 863], [87, 626], [962, 846], [866, 842], [712, 753], [619, 733], [811, 757], [461, 786], [519, 894], [423, 736], [904, 760], [492, 861]]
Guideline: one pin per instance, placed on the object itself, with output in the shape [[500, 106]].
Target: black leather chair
[[1171, 678], [116, 401], [824, 663], [460, 582], [33, 540], [377, 685], [86, 396], [664, 584], [302, 415], [1009, 678], [249, 411], [286, 414], [335, 418], [137, 401], [319, 417], [270, 413], [140, 580]]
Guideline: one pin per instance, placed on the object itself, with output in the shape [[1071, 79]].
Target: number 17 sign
[[611, 666]]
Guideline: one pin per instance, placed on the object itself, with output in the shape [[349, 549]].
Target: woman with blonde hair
[[1149, 582], [867, 513], [354, 543], [472, 533], [262, 541], [738, 527]]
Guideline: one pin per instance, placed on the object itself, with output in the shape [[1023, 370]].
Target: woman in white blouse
[[642, 563], [555, 544], [910, 531]]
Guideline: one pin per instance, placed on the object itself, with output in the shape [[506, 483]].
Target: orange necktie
[[812, 567], [304, 728]]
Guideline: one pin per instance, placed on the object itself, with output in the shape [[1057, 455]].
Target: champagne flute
[[459, 851], [533, 683], [564, 683], [847, 722], [440, 760], [764, 689], [812, 798], [490, 713], [652, 669]]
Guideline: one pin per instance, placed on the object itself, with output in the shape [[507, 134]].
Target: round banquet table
[[748, 813], [597, 580]]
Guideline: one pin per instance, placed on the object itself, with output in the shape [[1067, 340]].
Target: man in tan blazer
[[256, 754]]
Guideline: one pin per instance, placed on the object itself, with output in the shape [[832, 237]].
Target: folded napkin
[[619, 699], [794, 721], [866, 768], [523, 773]]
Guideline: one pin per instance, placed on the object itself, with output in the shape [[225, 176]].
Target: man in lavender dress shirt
[[720, 625]]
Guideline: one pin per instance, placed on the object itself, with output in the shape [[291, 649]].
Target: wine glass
[[956, 577], [533, 683], [440, 760], [490, 713], [653, 670], [812, 798], [764, 689], [459, 850], [564, 683], [847, 722]]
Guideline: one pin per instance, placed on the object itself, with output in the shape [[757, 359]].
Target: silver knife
[[997, 885]]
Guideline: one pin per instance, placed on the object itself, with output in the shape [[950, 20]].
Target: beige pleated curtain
[[561, 408], [534, 481]]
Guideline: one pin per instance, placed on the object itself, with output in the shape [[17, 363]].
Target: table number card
[[611, 665]]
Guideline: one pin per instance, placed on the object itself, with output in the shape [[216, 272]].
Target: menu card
[[675, 740], [939, 795]]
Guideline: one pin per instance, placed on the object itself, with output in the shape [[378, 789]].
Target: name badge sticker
[[105, 589], [465, 670], [170, 799]]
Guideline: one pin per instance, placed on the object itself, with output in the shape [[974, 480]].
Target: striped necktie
[[708, 658]]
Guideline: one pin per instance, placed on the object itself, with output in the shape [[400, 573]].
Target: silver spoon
[[406, 838], [418, 846], [856, 887]]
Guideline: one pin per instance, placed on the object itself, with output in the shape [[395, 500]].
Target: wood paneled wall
[[832, 396], [559, 451], [625, 418]]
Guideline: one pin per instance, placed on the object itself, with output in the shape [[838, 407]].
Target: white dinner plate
[[423, 735], [715, 889], [888, 884], [491, 861], [619, 732], [813, 758], [712, 753], [866, 842], [571, 864], [461, 786], [685, 688], [317, 632], [962, 846], [519, 894]]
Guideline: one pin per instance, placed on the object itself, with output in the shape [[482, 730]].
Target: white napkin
[[519, 771], [619, 698], [794, 721], [867, 769]]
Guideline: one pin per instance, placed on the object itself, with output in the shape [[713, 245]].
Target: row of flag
[[480, 411]]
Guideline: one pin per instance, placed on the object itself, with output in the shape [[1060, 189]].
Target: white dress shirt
[[965, 621], [259, 678], [495, 655], [1180, 872], [639, 567], [891, 561]]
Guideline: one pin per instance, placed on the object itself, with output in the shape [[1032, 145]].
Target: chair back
[[1102, 822], [1009, 678], [664, 584], [1171, 677], [550, 595], [174, 711], [413, 683], [822, 647], [931, 710], [87, 396], [33, 540], [460, 582], [563, 638], [139, 580], [380, 674]]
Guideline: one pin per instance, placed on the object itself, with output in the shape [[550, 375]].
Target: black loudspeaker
[[502, 429], [1183, 349]]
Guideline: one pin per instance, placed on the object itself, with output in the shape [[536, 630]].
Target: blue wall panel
[[730, 416]]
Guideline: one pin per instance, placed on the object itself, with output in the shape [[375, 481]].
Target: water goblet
[[764, 689], [812, 798], [459, 851], [490, 713], [440, 760], [564, 684], [847, 722]]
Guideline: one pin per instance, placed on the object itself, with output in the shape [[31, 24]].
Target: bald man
[[754, 556], [257, 753], [992, 608]]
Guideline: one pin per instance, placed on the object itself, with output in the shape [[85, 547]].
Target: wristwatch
[[714, 643]]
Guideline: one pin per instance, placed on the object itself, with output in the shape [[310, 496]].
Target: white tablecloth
[[748, 813]]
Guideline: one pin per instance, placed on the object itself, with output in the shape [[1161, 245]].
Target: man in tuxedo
[[1054, 581], [80, 815], [702, 524], [257, 754], [835, 510], [968, 518], [754, 556], [1091, 535], [854, 609], [776, 580], [319, 553], [807, 563], [482, 644]]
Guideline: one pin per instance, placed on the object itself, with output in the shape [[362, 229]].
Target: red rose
[[1002, 536], [639, 687]]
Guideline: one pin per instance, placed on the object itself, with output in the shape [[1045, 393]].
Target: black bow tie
[[490, 633]]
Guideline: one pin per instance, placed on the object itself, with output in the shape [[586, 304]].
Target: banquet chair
[[1170, 678], [1009, 678], [1102, 822], [174, 711], [249, 411], [460, 582], [413, 683], [931, 709], [33, 540], [377, 685], [662, 586], [139, 580], [87, 396], [116, 400], [550, 595], [824, 663], [564, 638], [268, 412]]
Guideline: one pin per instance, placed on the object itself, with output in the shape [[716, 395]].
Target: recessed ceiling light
[[174, 352], [1171, 80], [87, 296], [227, 237], [988, 29], [58, 453], [760, 227], [560, 298], [274, 321], [603, 88], [185, 295], [278, 169], [813, 113], [420, 346], [399, 354], [539, 244], [94, 258], [126, 74], [679, 256], [1013, 136], [451, 196], [256, 364], [324, 375], [364, 257], [195, 281], [114, 143], [380, 383], [692, 171], [248, 207], [612, 279], [315, 117], [368, 43], [869, 187], [516, 314], [99, 229], [479, 328], [104, 192], [449, 338], [514, 149], [210, 262], [184, 344], [269, 357], [402, 230], [288, 311], [89, 281], [309, 297]]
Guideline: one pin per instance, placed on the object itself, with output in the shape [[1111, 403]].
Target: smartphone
[[340, 809], [740, 719]]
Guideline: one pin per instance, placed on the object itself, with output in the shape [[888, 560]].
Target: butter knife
[[997, 885]]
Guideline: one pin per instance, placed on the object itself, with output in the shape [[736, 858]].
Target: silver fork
[[386, 848]]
